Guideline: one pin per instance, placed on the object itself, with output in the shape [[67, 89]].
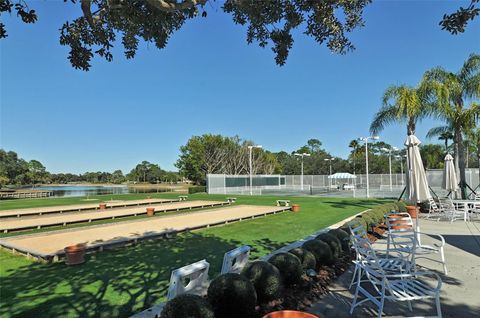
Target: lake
[[81, 190]]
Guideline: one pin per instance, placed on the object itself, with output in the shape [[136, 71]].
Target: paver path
[[48, 244], [459, 295], [9, 224], [78, 207]]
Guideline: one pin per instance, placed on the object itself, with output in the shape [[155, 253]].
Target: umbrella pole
[[417, 226]]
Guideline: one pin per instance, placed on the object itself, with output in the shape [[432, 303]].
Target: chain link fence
[[380, 185]]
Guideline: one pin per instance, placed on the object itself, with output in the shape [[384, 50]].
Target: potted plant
[[75, 254], [289, 314], [150, 211], [295, 208], [412, 209]]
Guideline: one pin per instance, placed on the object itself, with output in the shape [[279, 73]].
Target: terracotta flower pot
[[102, 206], [412, 210], [75, 254], [289, 314], [295, 208], [397, 223], [150, 211]]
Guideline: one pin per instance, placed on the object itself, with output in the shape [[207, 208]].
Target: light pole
[[303, 154], [330, 179], [365, 139], [389, 151], [250, 151]]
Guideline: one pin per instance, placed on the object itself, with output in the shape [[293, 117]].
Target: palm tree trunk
[[461, 162], [446, 145], [411, 127]]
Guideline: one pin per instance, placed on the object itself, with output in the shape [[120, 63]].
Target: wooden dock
[[24, 194]]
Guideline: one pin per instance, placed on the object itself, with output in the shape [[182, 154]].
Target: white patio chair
[[364, 250], [453, 212], [394, 287], [435, 210], [403, 237]]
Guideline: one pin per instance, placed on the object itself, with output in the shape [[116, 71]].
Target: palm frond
[[386, 115], [472, 87], [437, 131], [470, 68]]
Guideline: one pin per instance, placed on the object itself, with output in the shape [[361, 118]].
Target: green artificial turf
[[120, 282]]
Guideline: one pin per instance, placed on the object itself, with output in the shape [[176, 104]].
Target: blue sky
[[208, 80]]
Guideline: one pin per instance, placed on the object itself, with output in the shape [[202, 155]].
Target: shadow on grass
[[361, 203], [114, 283]]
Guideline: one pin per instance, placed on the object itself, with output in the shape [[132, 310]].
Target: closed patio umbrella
[[449, 182], [417, 185]]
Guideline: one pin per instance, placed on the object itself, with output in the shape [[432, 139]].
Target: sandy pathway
[[52, 243], [8, 224], [79, 207]]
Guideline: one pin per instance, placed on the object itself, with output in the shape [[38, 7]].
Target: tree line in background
[[452, 97], [17, 171], [218, 154]]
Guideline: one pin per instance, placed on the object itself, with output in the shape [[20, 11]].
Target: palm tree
[[443, 133], [450, 92], [401, 104], [354, 145], [474, 137]]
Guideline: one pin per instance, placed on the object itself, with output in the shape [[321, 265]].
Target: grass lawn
[[120, 282]]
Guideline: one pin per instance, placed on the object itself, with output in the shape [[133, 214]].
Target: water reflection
[[80, 191]]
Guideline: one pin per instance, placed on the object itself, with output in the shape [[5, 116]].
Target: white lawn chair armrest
[[440, 238], [433, 275]]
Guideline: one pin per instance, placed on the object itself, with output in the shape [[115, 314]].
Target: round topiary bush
[[186, 306], [265, 278], [232, 295], [321, 250], [307, 259], [343, 237], [289, 266], [333, 242]]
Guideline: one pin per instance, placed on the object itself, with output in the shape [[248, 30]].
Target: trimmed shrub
[[197, 189], [321, 250], [289, 266], [343, 237], [265, 278], [186, 306], [232, 295], [307, 259], [402, 206], [345, 228], [333, 242], [362, 221]]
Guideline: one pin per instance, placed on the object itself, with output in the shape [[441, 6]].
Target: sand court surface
[[15, 223], [79, 207], [51, 244]]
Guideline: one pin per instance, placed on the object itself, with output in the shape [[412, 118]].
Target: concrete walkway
[[10, 224], [79, 207], [51, 244], [460, 295]]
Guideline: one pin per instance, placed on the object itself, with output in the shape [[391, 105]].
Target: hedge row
[[376, 215], [235, 295], [197, 189]]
